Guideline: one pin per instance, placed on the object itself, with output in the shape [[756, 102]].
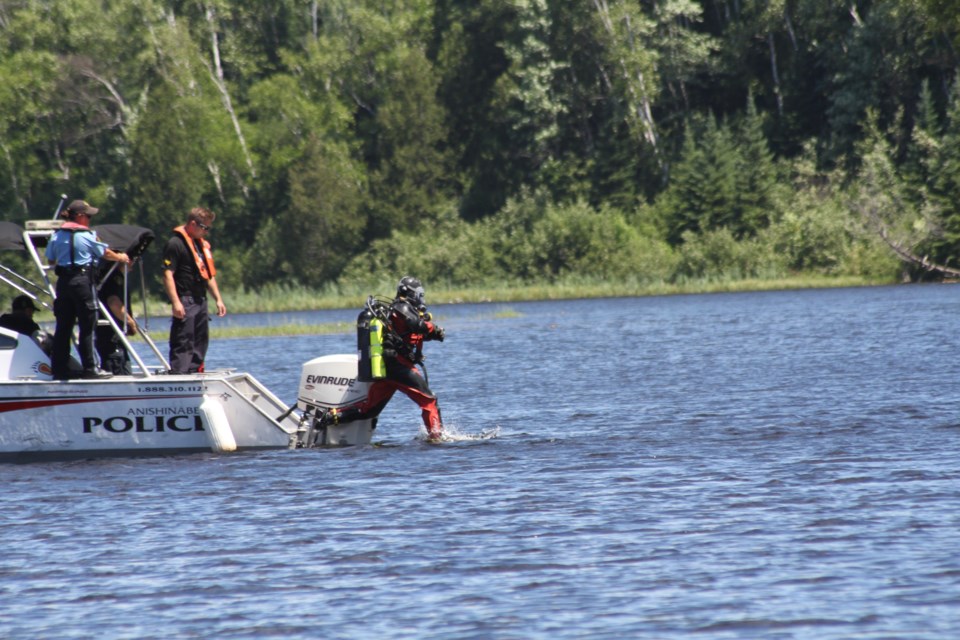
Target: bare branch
[[216, 74], [905, 254], [124, 114]]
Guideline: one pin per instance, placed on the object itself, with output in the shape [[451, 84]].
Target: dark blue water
[[768, 465]]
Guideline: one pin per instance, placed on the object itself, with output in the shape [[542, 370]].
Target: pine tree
[[681, 204], [756, 175]]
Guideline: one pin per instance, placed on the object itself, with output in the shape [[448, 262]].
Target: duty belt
[[72, 270]]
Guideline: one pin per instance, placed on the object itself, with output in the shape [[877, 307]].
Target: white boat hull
[[128, 415]]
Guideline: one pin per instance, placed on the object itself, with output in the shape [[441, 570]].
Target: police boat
[[150, 412]]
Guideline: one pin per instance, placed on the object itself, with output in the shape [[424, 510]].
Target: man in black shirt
[[188, 273]]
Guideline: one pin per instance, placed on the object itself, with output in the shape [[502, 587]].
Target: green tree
[[525, 92], [168, 172], [413, 173], [28, 81], [756, 174], [467, 48], [943, 16], [633, 68], [702, 194], [372, 58], [886, 57], [925, 142], [685, 52], [945, 187], [323, 226], [215, 167]]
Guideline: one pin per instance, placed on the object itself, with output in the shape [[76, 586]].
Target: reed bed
[[280, 298]]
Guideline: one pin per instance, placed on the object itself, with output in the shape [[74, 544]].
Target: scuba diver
[[390, 337]]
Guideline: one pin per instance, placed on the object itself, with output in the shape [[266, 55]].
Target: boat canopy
[[127, 238], [130, 239], [11, 237]]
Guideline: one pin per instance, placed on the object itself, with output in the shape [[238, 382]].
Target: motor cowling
[[331, 382]]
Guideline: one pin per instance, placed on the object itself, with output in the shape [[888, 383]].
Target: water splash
[[452, 433]]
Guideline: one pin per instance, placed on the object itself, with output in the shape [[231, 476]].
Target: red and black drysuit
[[407, 328]]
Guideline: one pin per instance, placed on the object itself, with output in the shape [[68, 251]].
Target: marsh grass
[[330, 328], [290, 298], [279, 298]]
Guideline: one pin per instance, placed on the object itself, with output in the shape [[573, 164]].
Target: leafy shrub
[[718, 254], [813, 236], [529, 241], [576, 239]]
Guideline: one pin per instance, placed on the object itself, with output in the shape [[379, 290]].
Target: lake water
[[755, 465]]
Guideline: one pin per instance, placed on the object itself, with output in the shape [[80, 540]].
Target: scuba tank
[[370, 365]]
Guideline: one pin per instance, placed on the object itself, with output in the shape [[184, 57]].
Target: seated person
[[113, 354], [21, 320]]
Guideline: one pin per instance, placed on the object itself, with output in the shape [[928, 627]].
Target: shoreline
[[302, 300], [535, 293], [279, 301]]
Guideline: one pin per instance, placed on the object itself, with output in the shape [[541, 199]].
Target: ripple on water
[[770, 465]]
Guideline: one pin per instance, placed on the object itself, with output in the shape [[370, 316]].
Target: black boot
[[95, 374]]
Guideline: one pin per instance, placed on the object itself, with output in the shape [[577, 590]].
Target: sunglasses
[[205, 227]]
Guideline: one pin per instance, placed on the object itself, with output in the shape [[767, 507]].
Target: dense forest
[[342, 143]]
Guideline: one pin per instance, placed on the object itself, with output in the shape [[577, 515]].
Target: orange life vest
[[204, 262]]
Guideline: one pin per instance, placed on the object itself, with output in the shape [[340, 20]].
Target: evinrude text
[[339, 382]]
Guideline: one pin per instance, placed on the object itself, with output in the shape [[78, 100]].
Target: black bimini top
[[11, 237], [128, 238]]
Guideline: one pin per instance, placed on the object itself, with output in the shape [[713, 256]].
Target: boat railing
[[43, 230]]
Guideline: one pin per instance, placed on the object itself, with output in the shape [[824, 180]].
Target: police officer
[[74, 251]]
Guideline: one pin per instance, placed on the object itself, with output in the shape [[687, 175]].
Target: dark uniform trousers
[[190, 337], [75, 304]]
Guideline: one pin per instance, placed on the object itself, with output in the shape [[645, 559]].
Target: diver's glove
[[438, 334]]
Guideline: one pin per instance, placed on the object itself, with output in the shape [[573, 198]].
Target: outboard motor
[[331, 382]]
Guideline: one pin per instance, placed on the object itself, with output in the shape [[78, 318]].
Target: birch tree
[[197, 105], [215, 68], [684, 49], [527, 87], [635, 66]]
